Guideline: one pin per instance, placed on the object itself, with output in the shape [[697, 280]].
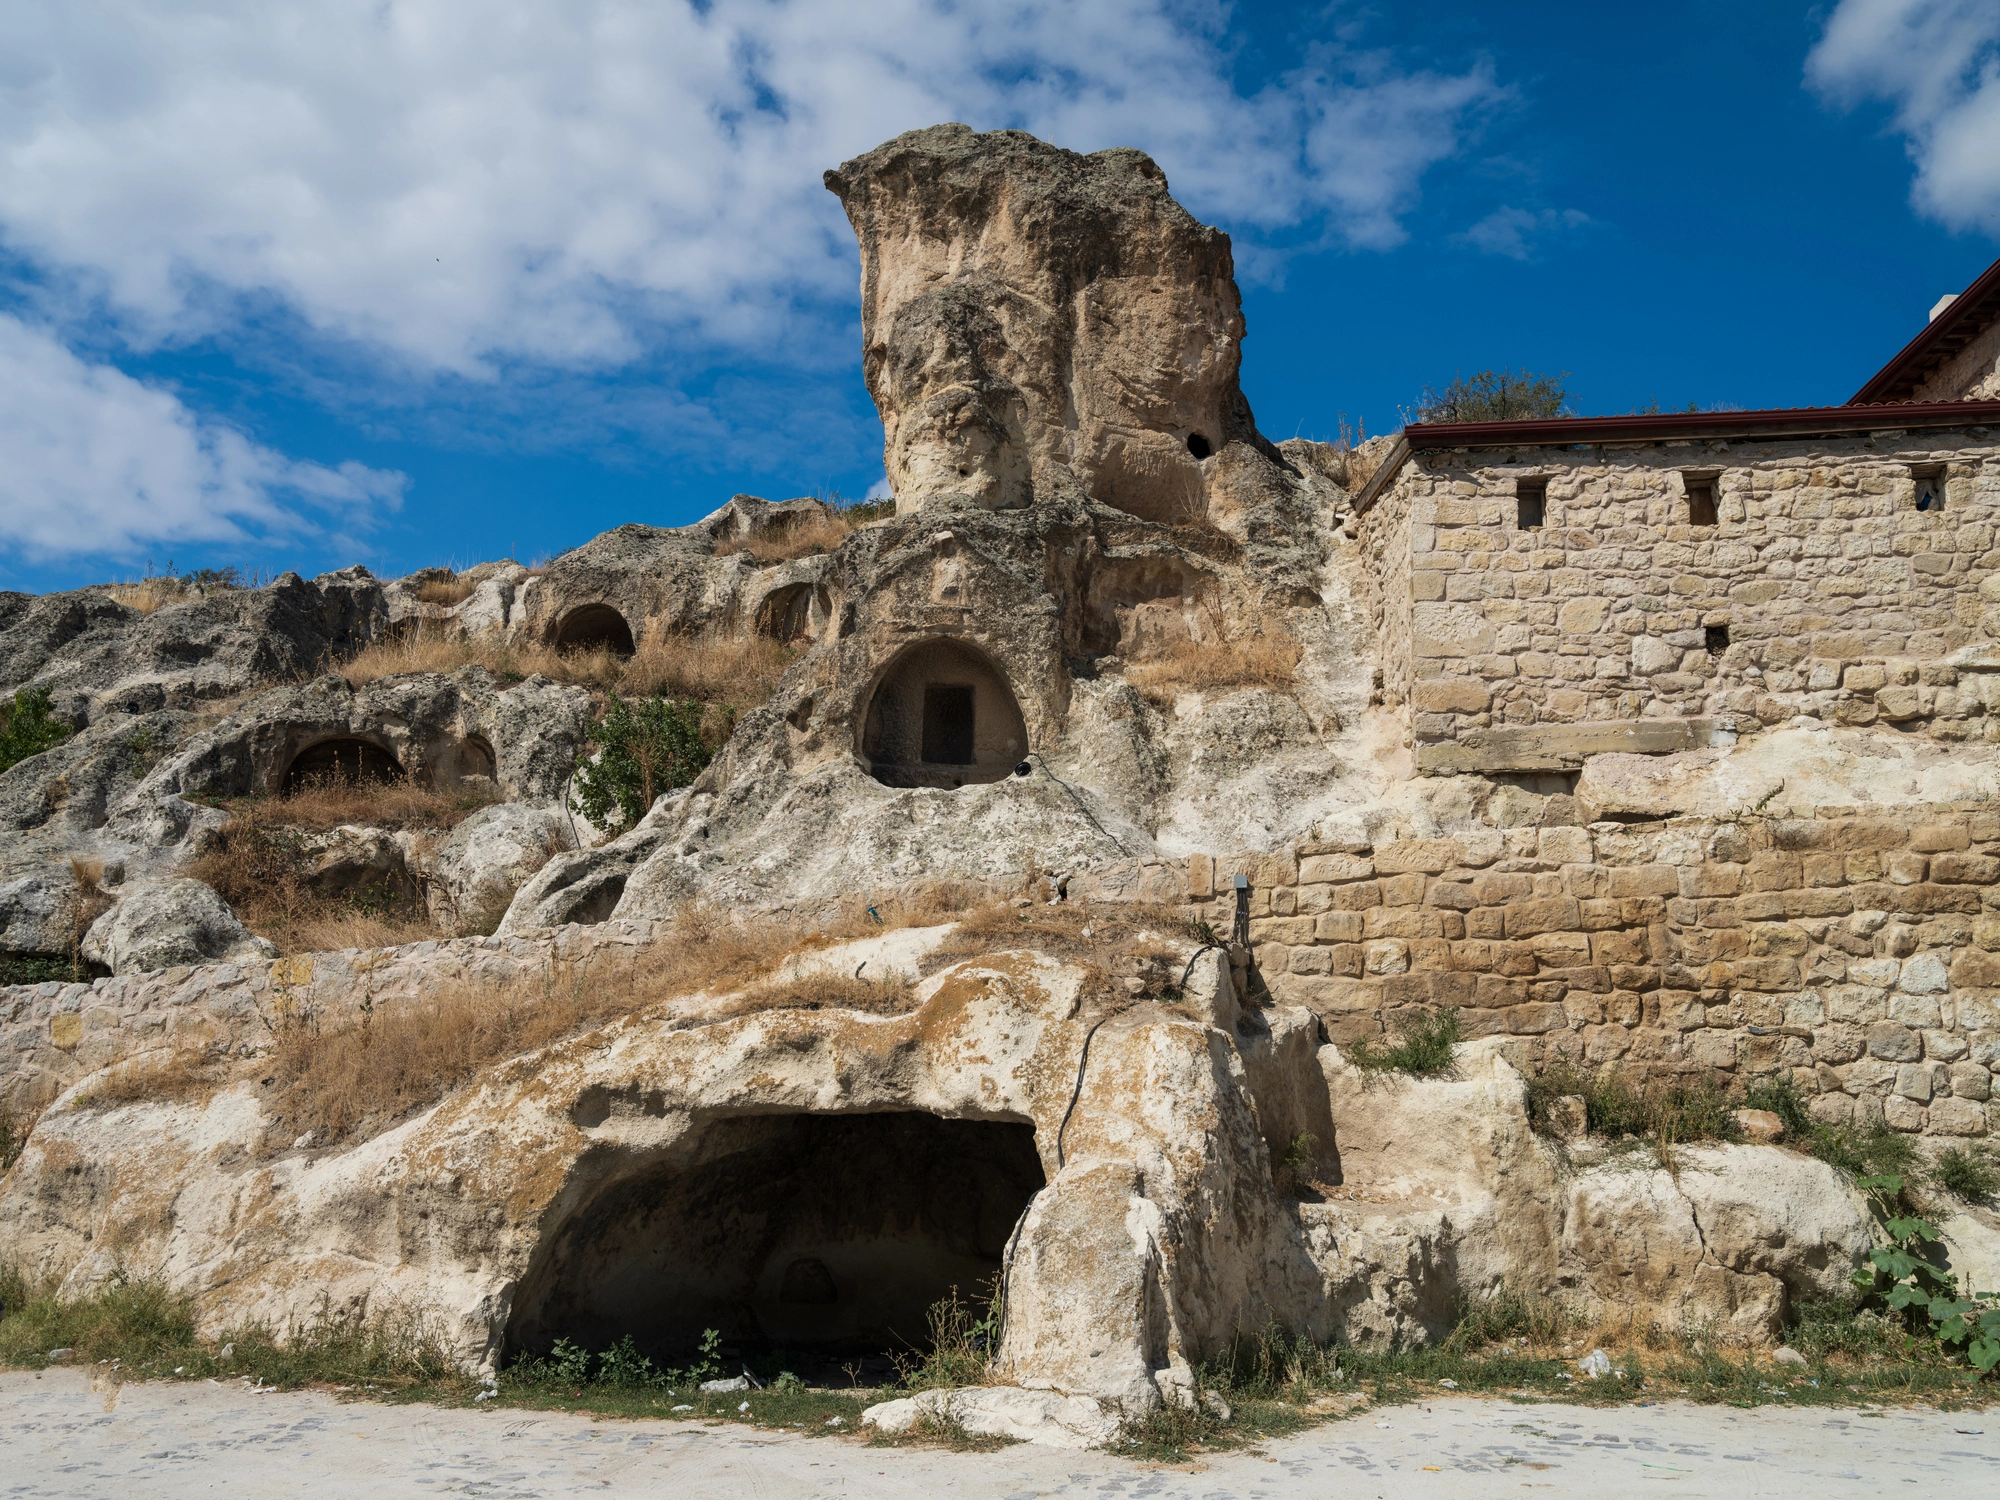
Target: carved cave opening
[[340, 759], [825, 1235], [594, 626], [942, 716]]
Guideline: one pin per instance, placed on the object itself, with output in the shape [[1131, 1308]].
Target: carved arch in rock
[[589, 627], [830, 1232], [942, 715], [339, 758]]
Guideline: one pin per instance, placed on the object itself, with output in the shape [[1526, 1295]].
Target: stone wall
[[1384, 532], [1841, 600], [52, 1034], [1860, 956]]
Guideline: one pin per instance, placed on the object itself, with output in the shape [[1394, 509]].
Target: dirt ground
[[60, 1436]]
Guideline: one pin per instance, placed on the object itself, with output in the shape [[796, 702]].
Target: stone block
[[1543, 914], [1452, 695], [1957, 1117], [1773, 872], [1915, 1010], [1451, 895], [1201, 877], [1892, 1043], [1389, 956], [1899, 1113], [1317, 869], [1945, 1046], [1905, 868], [1566, 846], [1289, 930], [1425, 856], [1402, 890], [1536, 1019], [1970, 1080], [1716, 879], [1312, 961], [1647, 880], [1338, 927], [1935, 838], [1487, 922], [1771, 974], [1499, 889], [1923, 975], [1965, 869], [1913, 1081], [1357, 896]]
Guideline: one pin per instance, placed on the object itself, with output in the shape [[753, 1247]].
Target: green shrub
[[29, 727], [12, 1138], [1508, 1314], [1494, 396], [1781, 1097], [1423, 1049], [1560, 1080], [1966, 1173], [645, 748]]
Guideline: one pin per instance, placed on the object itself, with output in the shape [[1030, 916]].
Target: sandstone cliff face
[[1037, 322]]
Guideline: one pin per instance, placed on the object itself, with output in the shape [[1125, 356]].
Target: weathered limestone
[[164, 924], [1039, 324]]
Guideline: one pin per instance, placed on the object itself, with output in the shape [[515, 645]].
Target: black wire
[[1080, 805], [1076, 1093], [1192, 957]]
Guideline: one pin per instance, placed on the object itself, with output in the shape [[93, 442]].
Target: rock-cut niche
[[341, 759], [942, 716], [827, 1233], [591, 626]]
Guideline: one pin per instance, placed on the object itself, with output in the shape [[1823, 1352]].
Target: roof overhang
[[1676, 427], [1971, 314]]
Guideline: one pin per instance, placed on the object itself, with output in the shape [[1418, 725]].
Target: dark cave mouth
[[822, 1237]]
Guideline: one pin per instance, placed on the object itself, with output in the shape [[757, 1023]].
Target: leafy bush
[[644, 749], [1907, 1281], [29, 727], [621, 1367], [1494, 396], [1423, 1049], [1967, 1174]]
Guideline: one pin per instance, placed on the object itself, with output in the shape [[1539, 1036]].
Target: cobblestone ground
[[61, 1437]]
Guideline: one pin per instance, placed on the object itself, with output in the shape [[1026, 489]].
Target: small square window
[[1531, 500], [1701, 499], [1929, 481], [1715, 639]]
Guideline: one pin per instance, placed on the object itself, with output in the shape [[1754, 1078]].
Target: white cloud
[[99, 463], [1938, 63], [466, 185], [1514, 232]]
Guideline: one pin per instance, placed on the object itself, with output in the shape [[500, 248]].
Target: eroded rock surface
[[159, 924], [1038, 324]]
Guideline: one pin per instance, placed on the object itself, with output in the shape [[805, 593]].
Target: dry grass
[[447, 591], [708, 668], [822, 533], [152, 1077], [261, 864], [818, 989], [1265, 661], [146, 595]]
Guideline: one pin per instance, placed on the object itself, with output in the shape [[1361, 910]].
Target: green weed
[[28, 727], [1967, 1173], [1423, 1049]]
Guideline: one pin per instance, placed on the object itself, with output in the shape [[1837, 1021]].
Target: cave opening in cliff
[[942, 715], [341, 759], [824, 1236], [592, 627]]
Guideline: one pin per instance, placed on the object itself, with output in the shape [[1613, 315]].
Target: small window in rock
[[1930, 486], [1198, 445], [1716, 639], [1531, 500], [1701, 501], [947, 724]]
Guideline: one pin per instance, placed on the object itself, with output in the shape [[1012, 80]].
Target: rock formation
[[1038, 324], [1659, 748]]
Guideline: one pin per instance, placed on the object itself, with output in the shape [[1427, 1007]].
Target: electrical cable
[[1076, 1093], [1037, 755]]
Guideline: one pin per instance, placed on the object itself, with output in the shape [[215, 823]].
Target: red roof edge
[[1896, 380], [1786, 422]]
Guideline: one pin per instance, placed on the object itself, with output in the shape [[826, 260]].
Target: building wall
[[1841, 600], [1384, 532], [1858, 956], [1973, 374]]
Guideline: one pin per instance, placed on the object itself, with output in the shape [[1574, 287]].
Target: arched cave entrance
[[827, 1235], [942, 716], [341, 759], [591, 626], [786, 614]]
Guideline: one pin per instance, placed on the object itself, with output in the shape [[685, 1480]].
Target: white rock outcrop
[[159, 924]]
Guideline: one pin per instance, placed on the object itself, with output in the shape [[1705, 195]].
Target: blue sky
[[445, 280]]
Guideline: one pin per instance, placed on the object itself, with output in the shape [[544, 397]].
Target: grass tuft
[[1969, 1174], [1423, 1049]]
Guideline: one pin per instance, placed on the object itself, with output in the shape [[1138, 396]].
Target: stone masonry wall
[[1859, 955], [1842, 601]]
